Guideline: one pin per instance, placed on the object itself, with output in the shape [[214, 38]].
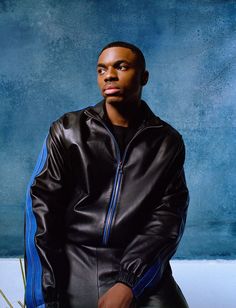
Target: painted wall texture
[[48, 53]]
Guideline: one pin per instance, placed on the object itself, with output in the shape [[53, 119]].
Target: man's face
[[119, 76]]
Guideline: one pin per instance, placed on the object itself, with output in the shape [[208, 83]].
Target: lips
[[110, 89]]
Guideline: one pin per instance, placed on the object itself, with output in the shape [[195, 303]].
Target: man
[[106, 205]]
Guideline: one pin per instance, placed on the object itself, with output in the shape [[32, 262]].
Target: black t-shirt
[[122, 134]]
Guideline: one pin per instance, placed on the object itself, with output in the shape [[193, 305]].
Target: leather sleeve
[[145, 258], [43, 214]]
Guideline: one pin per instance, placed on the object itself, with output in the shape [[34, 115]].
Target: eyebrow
[[115, 63]]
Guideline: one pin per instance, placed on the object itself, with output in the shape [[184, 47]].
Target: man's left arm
[[145, 258]]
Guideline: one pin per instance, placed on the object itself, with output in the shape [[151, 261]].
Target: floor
[[205, 284]]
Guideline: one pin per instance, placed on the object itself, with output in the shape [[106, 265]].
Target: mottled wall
[[48, 53]]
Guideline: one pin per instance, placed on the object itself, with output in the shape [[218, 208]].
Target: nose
[[111, 74]]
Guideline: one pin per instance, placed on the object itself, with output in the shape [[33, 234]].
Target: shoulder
[[170, 132], [172, 145], [71, 118], [165, 131], [170, 137], [67, 125]]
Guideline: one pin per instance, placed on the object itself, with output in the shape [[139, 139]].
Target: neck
[[122, 115]]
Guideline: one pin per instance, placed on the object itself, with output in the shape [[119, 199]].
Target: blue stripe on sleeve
[[151, 278], [34, 294]]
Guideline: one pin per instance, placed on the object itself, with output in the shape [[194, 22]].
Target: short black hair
[[133, 48]]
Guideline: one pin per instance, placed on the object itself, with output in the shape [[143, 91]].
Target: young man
[[106, 205]]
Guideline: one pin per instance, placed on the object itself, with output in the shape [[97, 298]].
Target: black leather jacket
[[91, 213]]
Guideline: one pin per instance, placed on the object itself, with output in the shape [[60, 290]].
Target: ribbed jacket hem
[[127, 278]]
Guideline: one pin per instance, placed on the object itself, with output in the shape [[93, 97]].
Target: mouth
[[110, 90]]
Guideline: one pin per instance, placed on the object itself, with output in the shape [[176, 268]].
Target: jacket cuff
[[127, 278]]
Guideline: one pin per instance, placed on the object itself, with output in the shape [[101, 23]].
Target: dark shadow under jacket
[[94, 218]]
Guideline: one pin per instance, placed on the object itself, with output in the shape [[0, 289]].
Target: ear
[[144, 78]]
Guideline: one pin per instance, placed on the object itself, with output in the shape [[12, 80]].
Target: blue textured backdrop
[[48, 52]]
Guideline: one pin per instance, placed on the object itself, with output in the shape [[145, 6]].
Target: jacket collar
[[148, 117]]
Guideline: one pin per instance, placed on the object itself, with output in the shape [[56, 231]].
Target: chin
[[113, 100]]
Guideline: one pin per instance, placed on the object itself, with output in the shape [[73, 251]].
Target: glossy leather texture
[[94, 218]]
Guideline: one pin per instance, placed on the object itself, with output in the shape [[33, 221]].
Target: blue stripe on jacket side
[[34, 295], [150, 278], [154, 274]]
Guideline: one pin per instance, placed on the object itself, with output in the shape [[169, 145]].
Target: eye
[[122, 67], [101, 70]]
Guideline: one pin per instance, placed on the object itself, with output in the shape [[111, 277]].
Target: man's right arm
[[43, 223]]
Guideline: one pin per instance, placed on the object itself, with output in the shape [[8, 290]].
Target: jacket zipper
[[116, 185], [118, 178], [112, 205]]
